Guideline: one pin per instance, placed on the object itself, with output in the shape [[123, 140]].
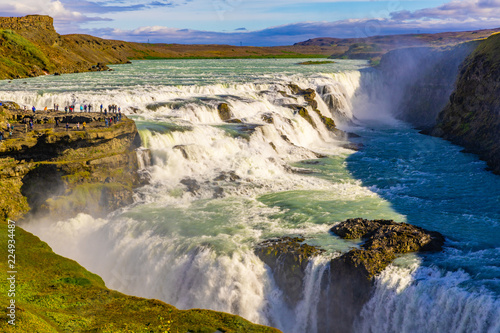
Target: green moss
[[12, 203], [77, 177], [490, 48], [76, 281], [304, 114]]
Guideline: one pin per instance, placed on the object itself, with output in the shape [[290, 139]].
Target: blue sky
[[256, 22]]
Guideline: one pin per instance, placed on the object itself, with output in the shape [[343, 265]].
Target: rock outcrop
[[61, 172], [30, 46], [472, 117], [348, 282], [309, 96], [288, 258], [224, 111]]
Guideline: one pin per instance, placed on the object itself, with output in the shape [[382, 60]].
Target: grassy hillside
[[20, 57], [376, 46], [56, 294]]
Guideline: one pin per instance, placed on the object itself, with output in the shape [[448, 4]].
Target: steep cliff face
[[417, 81], [472, 117], [38, 28], [58, 172]]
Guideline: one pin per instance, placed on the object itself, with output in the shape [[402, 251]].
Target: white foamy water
[[218, 189]]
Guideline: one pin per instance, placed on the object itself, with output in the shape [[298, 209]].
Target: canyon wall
[[472, 116]]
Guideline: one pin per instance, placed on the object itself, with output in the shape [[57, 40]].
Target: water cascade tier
[[245, 151]]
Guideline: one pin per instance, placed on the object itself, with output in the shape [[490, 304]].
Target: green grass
[[25, 49], [490, 48]]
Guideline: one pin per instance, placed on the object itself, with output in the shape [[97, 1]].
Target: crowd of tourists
[[112, 115], [112, 108]]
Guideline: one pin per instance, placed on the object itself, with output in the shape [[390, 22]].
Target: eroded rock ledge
[[55, 171], [348, 283]]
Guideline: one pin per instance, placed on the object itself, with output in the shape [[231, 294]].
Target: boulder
[[287, 258], [224, 112]]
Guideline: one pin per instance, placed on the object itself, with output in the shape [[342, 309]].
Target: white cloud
[[455, 10], [53, 8]]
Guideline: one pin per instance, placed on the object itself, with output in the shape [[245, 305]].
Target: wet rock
[[191, 184], [347, 284], [182, 149], [268, 118], [305, 114], [98, 68], [227, 176], [308, 94], [350, 281], [389, 236], [218, 192], [287, 258], [224, 112], [352, 146], [234, 121]]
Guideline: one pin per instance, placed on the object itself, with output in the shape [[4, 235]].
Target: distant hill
[[376, 46]]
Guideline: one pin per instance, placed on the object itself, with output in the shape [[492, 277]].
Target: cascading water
[[217, 189]]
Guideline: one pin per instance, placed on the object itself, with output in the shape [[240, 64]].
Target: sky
[[256, 22]]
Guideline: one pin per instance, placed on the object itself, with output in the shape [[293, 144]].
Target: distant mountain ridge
[[376, 46]]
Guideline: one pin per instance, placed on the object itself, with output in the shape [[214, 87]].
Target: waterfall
[[217, 188]]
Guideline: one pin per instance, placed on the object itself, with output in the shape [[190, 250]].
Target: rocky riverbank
[[349, 281]]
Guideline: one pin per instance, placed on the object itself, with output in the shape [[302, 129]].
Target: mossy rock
[[224, 112], [305, 114], [288, 258]]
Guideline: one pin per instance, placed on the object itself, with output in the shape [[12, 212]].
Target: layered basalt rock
[[309, 96], [61, 172], [347, 284]]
